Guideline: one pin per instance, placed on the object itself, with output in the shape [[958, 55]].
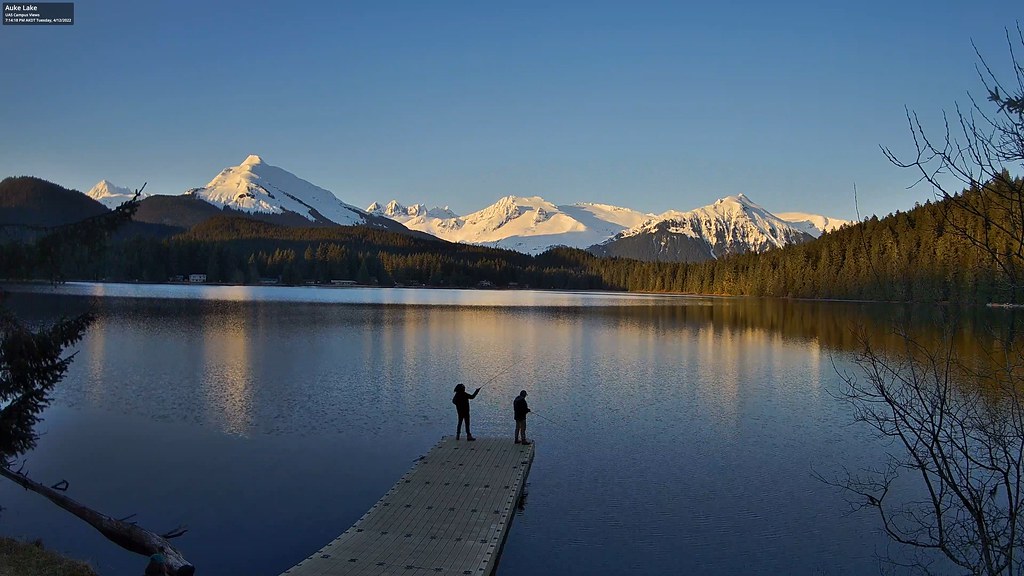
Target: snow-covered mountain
[[111, 196], [524, 224], [813, 224], [398, 212], [732, 225], [258, 188]]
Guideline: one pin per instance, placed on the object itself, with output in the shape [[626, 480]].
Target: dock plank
[[448, 516]]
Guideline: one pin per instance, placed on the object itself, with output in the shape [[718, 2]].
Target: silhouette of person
[[520, 410], [461, 401]]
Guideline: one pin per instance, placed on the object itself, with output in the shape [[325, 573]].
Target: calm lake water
[[680, 436]]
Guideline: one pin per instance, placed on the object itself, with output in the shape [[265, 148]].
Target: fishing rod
[[565, 436], [542, 417], [499, 373], [494, 377]]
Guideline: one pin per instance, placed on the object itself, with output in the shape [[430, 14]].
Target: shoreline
[[38, 282], [21, 558]]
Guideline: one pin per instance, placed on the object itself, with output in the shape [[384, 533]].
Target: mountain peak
[[111, 195], [736, 206], [741, 199], [442, 213], [257, 187], [731, 225], [509, 200]]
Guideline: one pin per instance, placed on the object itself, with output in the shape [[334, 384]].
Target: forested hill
[[910, 256], [235, 249], [231, 228], [34, 202], [921, 255]]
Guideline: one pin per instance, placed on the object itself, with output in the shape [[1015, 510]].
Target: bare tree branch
[[126, 535]]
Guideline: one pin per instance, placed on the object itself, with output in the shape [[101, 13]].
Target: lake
[[674, 434]]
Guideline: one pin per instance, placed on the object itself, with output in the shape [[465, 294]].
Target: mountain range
[[528, 224], [731, 225], [523, 224]]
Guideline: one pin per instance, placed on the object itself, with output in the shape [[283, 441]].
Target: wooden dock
[[449, 515]]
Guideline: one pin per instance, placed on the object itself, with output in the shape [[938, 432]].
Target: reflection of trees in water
[[834, 325], [953, 482], [941, 384], [840, 326]]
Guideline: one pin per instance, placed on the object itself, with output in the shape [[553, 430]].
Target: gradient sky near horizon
[[649, 105]]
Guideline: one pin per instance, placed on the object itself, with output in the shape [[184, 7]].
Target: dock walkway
[[449, 515]]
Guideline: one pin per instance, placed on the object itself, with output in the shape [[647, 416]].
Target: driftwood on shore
[[125, 534]]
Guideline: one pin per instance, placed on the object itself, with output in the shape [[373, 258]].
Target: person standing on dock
[[520, 410], [461, 401]]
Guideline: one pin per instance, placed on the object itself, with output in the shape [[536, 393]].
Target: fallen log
[[125, 534]]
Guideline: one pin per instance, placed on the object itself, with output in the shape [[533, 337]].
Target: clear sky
[[653, 106]]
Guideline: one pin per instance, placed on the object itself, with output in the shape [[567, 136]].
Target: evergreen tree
[[32, 362]]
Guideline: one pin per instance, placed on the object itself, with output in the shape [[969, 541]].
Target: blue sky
[[653, 106]]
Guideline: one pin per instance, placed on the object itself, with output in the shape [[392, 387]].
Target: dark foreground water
[[679, 435]]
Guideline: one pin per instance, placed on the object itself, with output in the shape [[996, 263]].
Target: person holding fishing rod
[[462, 398], [519, 412], [461, 401]]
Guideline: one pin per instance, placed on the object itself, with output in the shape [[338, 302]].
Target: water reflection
[[835, 325], [95, 356], [348, 295], [688, 423], [260, 365], [226, 374]]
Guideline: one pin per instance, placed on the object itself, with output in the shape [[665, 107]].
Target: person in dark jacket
[[461, 401], [520, 410]]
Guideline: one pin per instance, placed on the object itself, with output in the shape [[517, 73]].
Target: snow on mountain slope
[[813, 224], [435, 221], [396, 211], [525, 224], [257, 187], [110, 195], [732, 225]]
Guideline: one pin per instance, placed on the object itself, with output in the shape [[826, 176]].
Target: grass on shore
[[31, 559]]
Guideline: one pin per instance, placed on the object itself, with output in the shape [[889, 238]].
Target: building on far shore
[[197, 278]]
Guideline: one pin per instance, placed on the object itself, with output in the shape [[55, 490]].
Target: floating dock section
[[448, 516]]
